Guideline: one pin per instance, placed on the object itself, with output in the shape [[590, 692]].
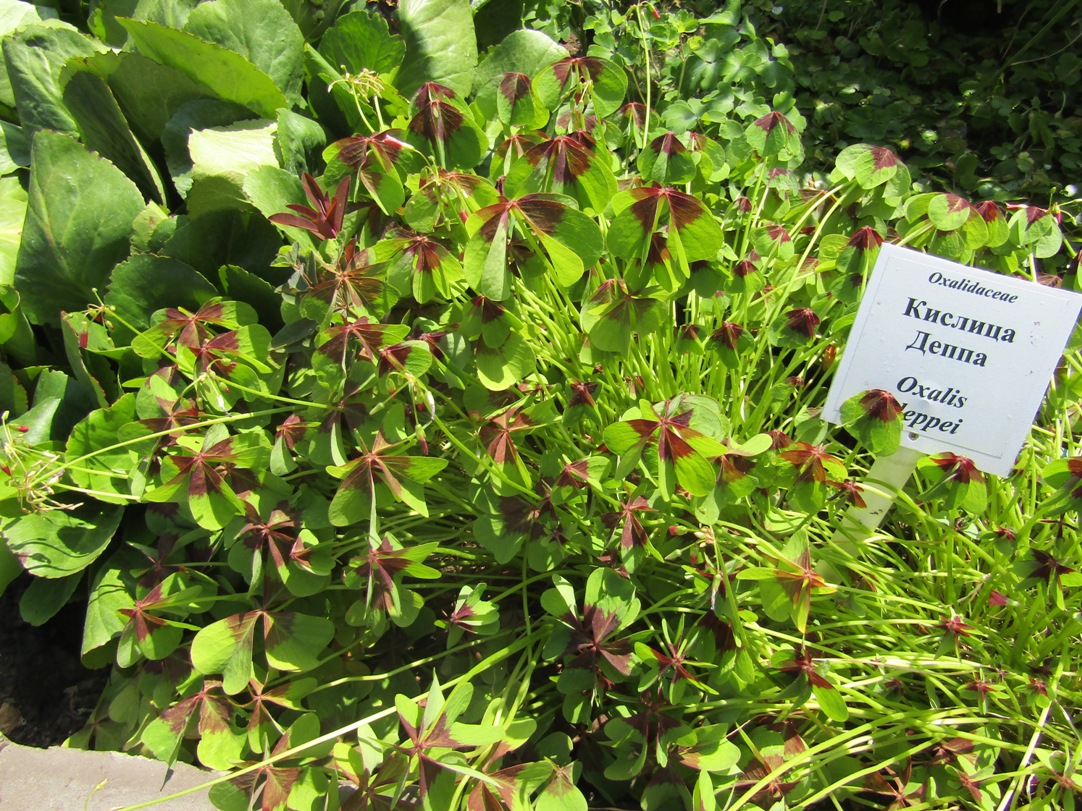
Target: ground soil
[[45, 692]]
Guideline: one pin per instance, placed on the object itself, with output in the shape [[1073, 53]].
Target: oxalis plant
[[455, 434]]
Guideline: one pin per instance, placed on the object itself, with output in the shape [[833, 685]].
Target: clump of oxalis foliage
[[447, 427]]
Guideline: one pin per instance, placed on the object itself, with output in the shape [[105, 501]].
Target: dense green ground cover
[[423, 405]]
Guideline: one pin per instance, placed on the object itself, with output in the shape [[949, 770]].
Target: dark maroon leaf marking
[[498, 435], [883, 158], [803, 665], [635, 112], [744, 268], [370, 335], [514, 87], [989, 210], [802, 320], [956, 203], [584, 68], [424, 253], [668, 144], [632, 532], [880, 404], [850, 491], [363, 151], [778, 233], [810, 460], [437, 119], [190, 329], [960, 469], [544, 215], [140, 618], [215, 711], [582, 394], [769, 122], [565, 154], [865, 238], [779, 440], [1048, 567], [728, 334]]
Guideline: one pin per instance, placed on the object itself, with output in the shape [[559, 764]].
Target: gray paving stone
[[58, 779]]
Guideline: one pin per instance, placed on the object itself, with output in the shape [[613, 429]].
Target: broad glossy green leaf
[[149, 93], [104, 23], [56, 543], [192, 117], [35, 57], [262, 31], [14, 148], [144, 284], [105, 130], [222, 157], [228, 75], [13, 202], [44, 597], [298, 143], [361, 41], [243, 285], [108, 470], [78, 227], [108, 593], [441, 45]]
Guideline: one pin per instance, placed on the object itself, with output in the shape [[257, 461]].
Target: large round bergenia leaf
[[441, 45], [105, 130], [13, 202], [35, 57], [228, 74], [261, 31], [361, 41], [77, 229]]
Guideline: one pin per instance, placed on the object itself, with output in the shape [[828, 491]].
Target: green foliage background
[[427, 399]]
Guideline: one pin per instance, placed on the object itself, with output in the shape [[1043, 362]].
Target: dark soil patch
[[45, 692]]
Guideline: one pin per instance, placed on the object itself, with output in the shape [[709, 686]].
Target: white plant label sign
[[968, 353]]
